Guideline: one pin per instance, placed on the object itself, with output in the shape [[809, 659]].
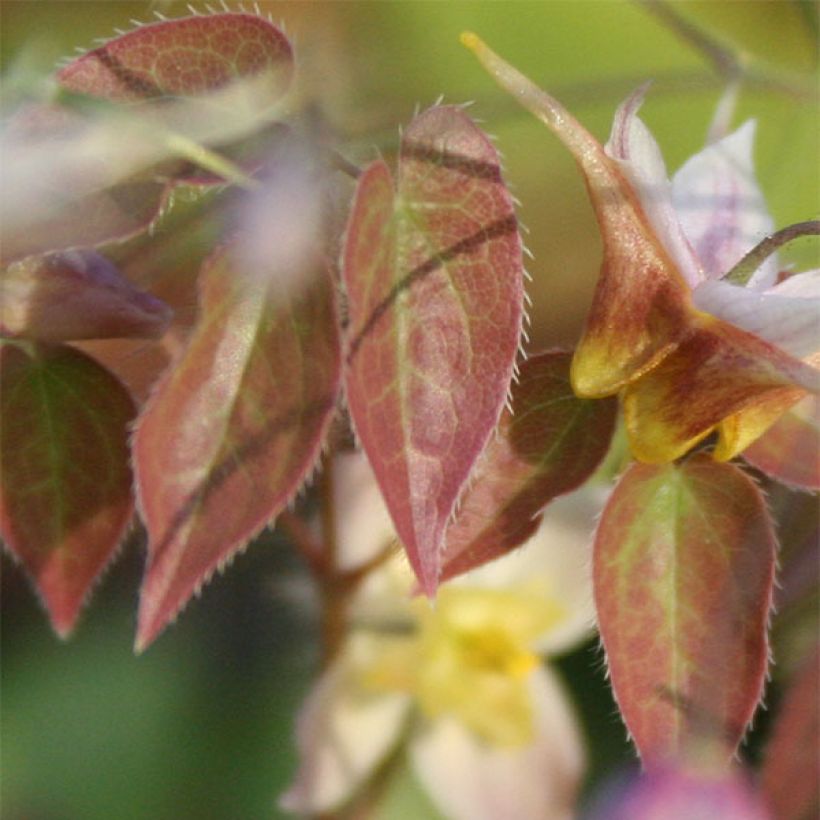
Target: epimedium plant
[[401, 313]]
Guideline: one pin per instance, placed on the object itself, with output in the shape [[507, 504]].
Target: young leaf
[[683, 568], [788, 451], [433, 272], [548, 444], [75, 295], [233, 429], [65, 489], [184, 57], [790, 778]]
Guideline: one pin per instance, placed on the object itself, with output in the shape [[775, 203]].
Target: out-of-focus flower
[[459, 684], [679, 794], [690, 353]]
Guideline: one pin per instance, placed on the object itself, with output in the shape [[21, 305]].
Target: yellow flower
[[459, 683]]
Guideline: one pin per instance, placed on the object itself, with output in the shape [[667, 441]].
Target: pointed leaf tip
[[65, 487], [234, 429], [433, 271]]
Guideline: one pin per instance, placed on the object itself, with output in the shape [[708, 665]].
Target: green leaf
[[65, 488]]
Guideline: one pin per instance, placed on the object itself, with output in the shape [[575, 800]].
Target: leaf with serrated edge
[[683, 568], [549, 444], [65, 489], [433, 272], [233, 429], [788, 451], [184, 57]]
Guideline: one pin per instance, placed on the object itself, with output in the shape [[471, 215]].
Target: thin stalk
[[742, 272]]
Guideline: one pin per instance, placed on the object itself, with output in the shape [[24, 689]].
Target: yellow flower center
[[471, 658]]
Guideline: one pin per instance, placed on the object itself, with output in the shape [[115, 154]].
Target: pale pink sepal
[[786, 315], [470, 780], [721, 207], [639, 158]]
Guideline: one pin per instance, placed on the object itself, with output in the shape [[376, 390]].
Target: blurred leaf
[[788, 452], [218, 456], [184, 57], [683, 571], [797, 597], [547, 444], [167, 263], [65, 491], [58, 195], [790, 778], [433, 272], [76, 295]]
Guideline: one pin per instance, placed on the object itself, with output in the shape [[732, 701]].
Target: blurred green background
[[201, 725]]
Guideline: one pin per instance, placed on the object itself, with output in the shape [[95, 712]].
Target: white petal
[[791, 322], [363, 525], [803, 285], [469, 780], [558, 557], [721, 207], [342, 735], [639, 157]]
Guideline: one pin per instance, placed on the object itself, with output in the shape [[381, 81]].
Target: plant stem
[[209, 160], [743, 270]]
